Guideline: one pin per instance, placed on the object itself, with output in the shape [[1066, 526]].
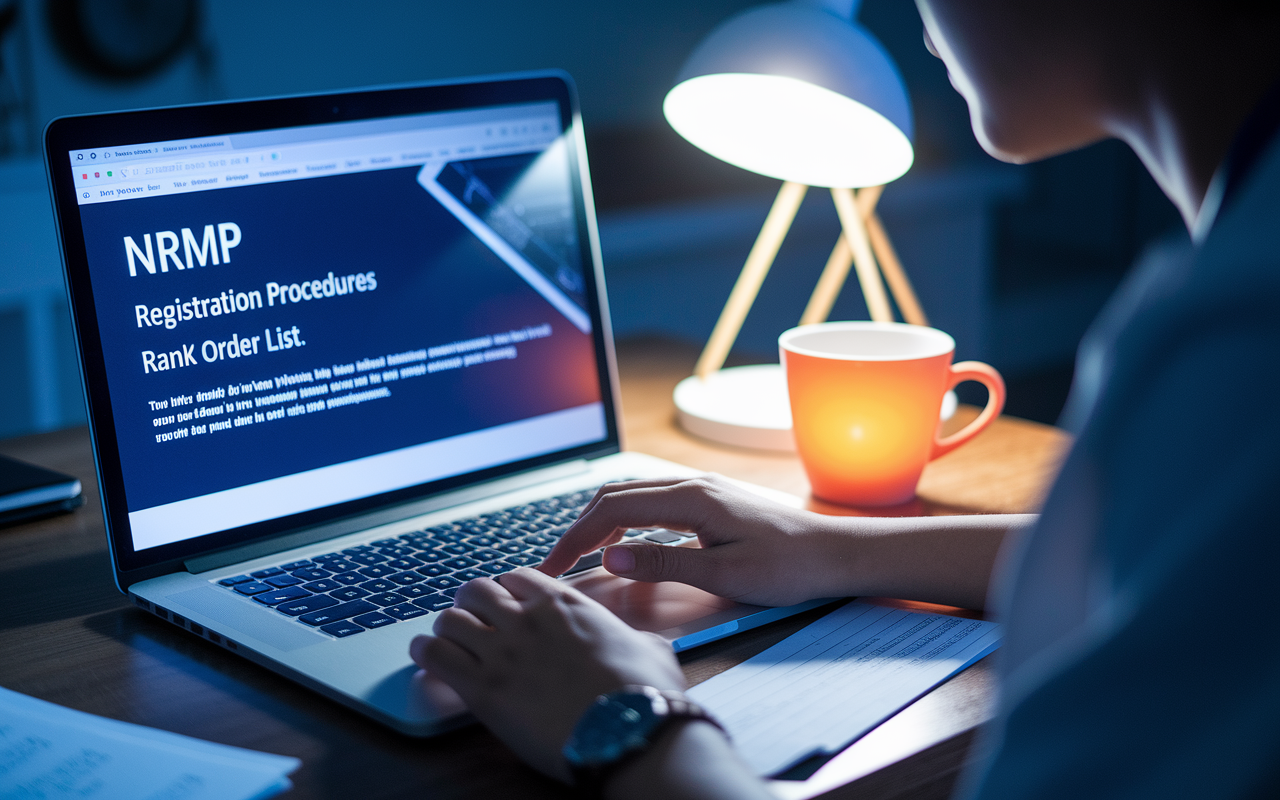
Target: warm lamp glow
[[788, 128]]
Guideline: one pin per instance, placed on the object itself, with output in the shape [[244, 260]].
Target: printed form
[[48, 752], [820, 689]]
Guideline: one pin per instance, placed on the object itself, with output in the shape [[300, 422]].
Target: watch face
[[613, 726]]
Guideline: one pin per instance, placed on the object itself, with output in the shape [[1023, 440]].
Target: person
[[1139, 658]]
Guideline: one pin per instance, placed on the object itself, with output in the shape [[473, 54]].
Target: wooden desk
[[67, 635]]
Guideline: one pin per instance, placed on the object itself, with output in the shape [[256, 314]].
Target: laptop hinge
[[373, 519]]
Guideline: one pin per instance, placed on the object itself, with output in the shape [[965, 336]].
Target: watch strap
[[678, 707]]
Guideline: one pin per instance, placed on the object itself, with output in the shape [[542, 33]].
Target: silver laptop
[[344, 353]]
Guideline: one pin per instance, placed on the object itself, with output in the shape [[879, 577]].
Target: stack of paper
[[823, 687], [50, 752]]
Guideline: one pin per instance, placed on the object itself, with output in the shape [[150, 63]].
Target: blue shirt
[[1141, 655]]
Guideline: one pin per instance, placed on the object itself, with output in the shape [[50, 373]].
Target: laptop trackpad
[[671, 610]]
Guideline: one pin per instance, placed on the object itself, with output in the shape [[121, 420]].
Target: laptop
[[343, 353]]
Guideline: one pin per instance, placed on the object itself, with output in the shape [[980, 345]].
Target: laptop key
[[253, 587], [281, 595], [238, 579], [662, 536], [540, 552], [434, 602], [461, 562], [469, 575], [414, 591], [267, 573], [485, 555], [311, 574], [306, 605], [407, 578], [376, 571], [449, 593], [281, 581], [456, 549], [495, 568], [380, 585], [369, 559], [444, 582], [385, 542], [321, 586], [538, 539], [430, 556], [336, 612], [341, 629], [521, 560], [349, 593], [341, 565], [385, 598], [395, 552], [433, 570], [293, 565], [374, 619], [508, 533], [349, 578], [404, 563], [405, 611], [485, 540]]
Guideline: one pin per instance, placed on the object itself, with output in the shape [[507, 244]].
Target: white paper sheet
[[48, 752], [823, 687]]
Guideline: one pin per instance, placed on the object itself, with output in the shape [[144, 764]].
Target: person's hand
[[753, 549], [529, 655]]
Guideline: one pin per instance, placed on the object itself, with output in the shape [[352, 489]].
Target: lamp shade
[[796, 91]]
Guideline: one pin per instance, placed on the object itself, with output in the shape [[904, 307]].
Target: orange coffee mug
[[865, 402]]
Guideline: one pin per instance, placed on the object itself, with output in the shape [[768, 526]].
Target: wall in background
[[1013, 261]]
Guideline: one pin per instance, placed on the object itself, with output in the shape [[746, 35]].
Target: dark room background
[[1012, 261]]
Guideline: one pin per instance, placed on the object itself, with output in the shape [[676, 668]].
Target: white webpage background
[[364, 477]]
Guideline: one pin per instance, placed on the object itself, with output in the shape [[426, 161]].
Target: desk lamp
[[800, 92]]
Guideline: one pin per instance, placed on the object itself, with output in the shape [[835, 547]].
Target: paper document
[[823, 687], [48, 752]]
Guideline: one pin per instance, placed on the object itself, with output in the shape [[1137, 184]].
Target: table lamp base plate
[[741, 406]]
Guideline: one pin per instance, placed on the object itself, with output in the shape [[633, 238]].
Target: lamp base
[[742, 406], [747, 407]]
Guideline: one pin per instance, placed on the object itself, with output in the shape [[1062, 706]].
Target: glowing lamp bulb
[[788, 128]]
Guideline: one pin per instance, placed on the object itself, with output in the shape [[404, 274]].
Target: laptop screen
[[296, 318]]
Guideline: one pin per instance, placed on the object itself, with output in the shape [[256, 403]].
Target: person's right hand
[[753, 549]]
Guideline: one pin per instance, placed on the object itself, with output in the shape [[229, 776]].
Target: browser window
[[297, 318]]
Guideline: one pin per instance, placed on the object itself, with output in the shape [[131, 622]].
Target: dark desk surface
[[67, 635]]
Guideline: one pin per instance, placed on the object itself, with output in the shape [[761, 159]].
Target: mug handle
[[988, 377]]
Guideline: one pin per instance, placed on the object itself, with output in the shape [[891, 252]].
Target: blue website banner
[[260, 331]]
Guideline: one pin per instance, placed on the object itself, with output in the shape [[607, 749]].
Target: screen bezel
[[117, 129]]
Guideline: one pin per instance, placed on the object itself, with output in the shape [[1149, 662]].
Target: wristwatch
[[621, 725]]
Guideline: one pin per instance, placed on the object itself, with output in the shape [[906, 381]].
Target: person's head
[[1048, 76]]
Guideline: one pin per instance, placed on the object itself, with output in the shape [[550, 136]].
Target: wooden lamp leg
[[851, 220], [836, 271], [760, 259], [894, 275], [834, 274]]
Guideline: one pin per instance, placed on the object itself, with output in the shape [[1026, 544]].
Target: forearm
[[946, 560], [693, 761]]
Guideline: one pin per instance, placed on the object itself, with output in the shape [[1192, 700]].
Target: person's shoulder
[[1242, 238]]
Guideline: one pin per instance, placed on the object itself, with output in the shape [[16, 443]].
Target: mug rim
[[944, 342]]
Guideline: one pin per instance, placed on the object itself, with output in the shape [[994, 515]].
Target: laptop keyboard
[[408, 576]]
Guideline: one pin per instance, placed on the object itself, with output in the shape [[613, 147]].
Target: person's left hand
[[530, 655]]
